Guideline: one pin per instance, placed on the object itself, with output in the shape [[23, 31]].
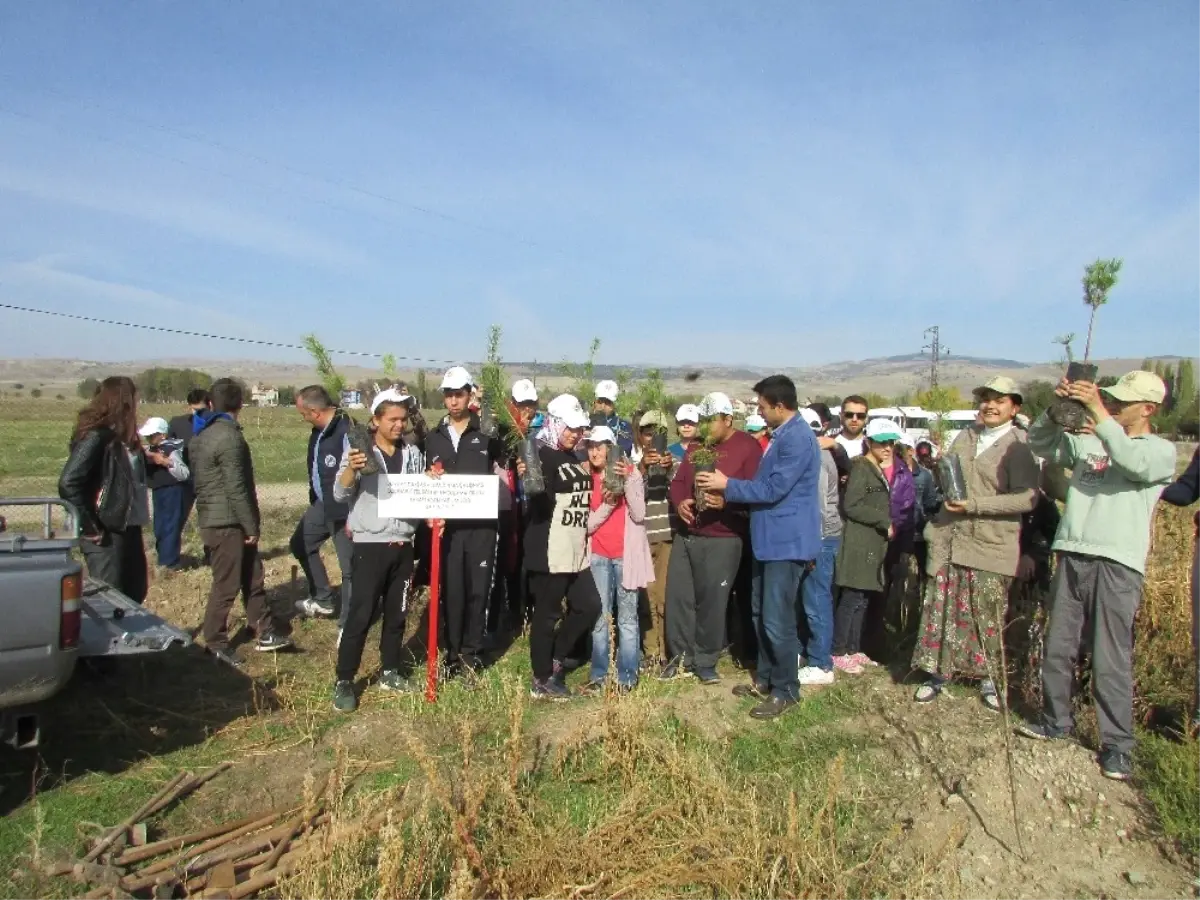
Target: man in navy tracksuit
[[325, 517], [468, 546]]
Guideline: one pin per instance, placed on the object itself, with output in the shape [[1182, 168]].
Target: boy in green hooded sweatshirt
[[1118, 473]]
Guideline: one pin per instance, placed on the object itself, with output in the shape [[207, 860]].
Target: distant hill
[[887, 375]]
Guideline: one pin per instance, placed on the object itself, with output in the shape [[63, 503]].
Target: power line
[[215, 337]]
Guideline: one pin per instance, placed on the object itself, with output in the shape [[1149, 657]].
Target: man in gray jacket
[[227, 513], [816, 591]]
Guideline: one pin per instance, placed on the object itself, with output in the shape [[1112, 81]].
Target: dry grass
[[1164, 664], [636, 807]]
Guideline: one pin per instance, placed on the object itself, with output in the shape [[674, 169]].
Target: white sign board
[[448, 497]]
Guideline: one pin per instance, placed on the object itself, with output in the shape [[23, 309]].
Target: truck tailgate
[[113, 625]]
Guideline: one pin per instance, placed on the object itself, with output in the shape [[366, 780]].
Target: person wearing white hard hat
[[707, 552], [606, 403], [384, 553], [458, 447], [166, 476], [785, 532], [687, 425], [620, 560], [1119, 472], [556, 550]]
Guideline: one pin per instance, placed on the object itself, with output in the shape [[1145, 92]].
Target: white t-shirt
[[852, 446]]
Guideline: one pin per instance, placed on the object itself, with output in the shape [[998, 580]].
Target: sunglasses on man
[[854, 415]]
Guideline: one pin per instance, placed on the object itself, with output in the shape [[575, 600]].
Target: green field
[[34, 435]]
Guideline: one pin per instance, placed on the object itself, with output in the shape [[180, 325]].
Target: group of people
[[620, 551]]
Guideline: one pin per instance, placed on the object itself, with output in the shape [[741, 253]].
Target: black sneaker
[[674, 669], [708, 675], [549, 690], [592, 688], [757, 691], [772, 707], [1115, 765], [344, 699], [270, 642], [1042, 731]]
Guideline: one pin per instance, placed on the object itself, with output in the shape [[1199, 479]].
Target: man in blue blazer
[[785, 533]]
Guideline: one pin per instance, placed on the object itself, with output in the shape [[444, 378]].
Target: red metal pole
[[435, 578]]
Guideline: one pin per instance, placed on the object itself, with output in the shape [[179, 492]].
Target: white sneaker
[[313, 608], [814, 675]]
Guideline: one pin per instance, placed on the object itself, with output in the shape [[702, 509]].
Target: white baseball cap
[[810, 416], [907, 441], [154, 425], [391, 395], [689, 412], [607, 390], [755, 422], [716, 404], [524, 391], [456, 378], [601, 434], [568, 408], [881, 430]]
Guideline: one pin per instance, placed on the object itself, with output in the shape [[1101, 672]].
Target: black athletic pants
[[468, 557], [549, 638], [382, 573]]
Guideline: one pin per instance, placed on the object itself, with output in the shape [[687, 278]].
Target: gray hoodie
[[365, 524]]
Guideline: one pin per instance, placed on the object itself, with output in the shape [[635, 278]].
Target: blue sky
[[774, 182]]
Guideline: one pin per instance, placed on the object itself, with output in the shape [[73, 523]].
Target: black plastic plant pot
[[951, 478], [359, 438], [1065, 412], [533, 482], [487, 421], [614, 477], [659, 443]]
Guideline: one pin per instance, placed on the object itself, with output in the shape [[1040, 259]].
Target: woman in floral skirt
[[974, 549]]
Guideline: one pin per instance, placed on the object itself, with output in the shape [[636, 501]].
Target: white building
[[261, 395]]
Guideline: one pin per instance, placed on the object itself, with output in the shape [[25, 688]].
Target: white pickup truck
[[51, 616]]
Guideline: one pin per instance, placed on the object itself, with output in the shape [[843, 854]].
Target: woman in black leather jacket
[[105, 479]]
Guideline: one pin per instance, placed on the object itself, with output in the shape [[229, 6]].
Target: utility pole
[[936, 351]]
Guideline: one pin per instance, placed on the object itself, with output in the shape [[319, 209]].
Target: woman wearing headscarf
[[556, 549], [975, 549], [105, 480]]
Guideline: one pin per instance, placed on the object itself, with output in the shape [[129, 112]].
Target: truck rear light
[[72, 614]]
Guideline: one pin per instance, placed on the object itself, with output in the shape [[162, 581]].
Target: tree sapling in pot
[[1098, 279], [704, 459]]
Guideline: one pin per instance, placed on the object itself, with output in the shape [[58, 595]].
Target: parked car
[[54, 616]]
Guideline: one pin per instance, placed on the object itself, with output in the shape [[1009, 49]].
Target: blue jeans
[[775, 596], [607, 575], [169, 514], [817, 593]]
